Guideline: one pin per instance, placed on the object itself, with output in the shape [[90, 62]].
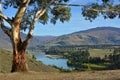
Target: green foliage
[[56, 12], [90, 14], [107, 8], [95, 60], [115, 59], [77, 58], [53, 13], [60, 12], [105, 1], [44, 18]]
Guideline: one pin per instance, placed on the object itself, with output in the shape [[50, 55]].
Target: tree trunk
[[19, 61], [19, 57]]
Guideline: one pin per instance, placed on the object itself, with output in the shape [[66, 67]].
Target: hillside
[[36, 41], [95, 36], [6, 63]]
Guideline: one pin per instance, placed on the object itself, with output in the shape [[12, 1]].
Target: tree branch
[[4, 2], [20, 13], [114, 11], [3, 27], [106, 11], [69, 5], [6, 30], [6, 18], [2, 16], [38, 14]]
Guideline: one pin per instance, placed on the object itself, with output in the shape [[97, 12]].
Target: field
[[100, 52]]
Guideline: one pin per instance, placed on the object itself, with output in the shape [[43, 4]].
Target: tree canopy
[[54, 10]]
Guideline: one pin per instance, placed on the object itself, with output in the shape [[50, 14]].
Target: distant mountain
[[36, 41], [94, 36]]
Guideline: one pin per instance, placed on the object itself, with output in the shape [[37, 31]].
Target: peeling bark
[[19, 61], [19, 47]]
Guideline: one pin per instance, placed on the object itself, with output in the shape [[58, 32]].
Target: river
[[59, 62]]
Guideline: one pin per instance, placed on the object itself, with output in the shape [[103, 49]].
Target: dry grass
[[98, 75]]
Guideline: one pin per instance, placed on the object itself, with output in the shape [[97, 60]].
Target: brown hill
[[95, 36]]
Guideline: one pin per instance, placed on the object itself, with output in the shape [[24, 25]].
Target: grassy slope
[[6, 61]]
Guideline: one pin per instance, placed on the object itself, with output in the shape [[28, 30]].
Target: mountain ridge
[[94, 36], [35, 42]]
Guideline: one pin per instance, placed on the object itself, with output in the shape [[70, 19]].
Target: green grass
[[99, 52], [92, 67]]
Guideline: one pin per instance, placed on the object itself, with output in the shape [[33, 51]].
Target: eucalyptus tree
[[31, 11], [28, 13]]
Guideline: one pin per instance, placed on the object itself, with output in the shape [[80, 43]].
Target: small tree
[[31, 11]]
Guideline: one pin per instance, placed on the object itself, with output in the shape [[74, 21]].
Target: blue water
[[59, 62]]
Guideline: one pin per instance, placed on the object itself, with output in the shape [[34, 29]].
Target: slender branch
[[114, 11], [38, 14], [6, 18], [69, 5], [6, 29], [30, 33], [4, 2]]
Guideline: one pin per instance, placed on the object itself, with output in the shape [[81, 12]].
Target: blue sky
[[77, 22]]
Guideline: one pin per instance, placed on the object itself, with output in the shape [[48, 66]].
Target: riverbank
[[54, 56]]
